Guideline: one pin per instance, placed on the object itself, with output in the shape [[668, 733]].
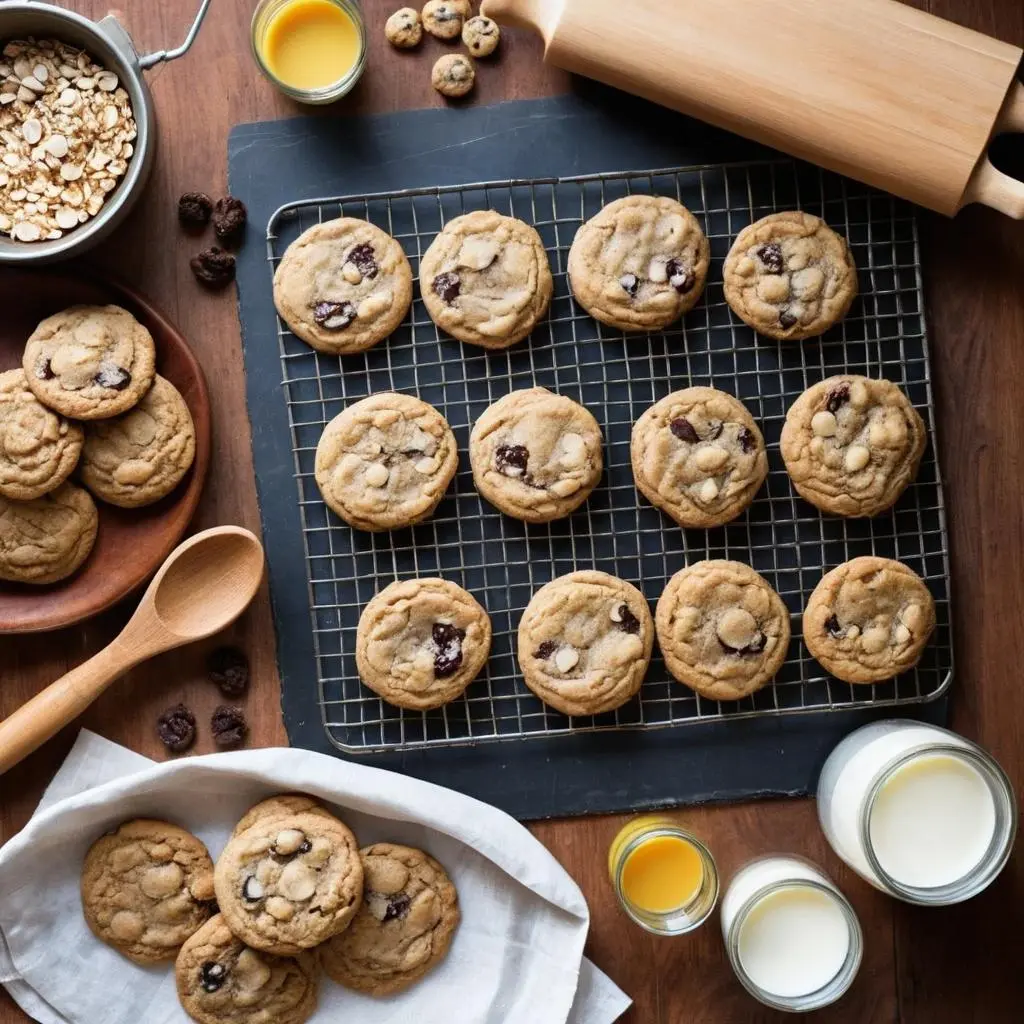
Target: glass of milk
[[793, 939], [919, 812]]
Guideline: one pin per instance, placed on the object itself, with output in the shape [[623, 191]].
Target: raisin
[[212, 976], [176, 728], [213, 267], [229, 217], [334, 316], [684, 430], [363, 259], [229, 669], [194, 209], [228, 726], [630, 623], [448, 641], [44, 370], [746, 439], [837, 398], [771, 256], [630, 284], [511, 459], [448, 287], [546, 649], [679, 277], [112, 376], [398, 906], [833, 628]]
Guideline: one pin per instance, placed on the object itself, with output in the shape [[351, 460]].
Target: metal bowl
[[109, 45]]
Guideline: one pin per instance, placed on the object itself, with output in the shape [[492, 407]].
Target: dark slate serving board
[[591, 131]]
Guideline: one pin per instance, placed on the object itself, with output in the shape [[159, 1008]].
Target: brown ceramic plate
[[132, 543]]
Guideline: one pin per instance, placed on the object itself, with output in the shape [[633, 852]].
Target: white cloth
[[517, 957]]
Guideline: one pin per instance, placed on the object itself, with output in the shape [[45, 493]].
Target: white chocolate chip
[[377, 474], [858, 394], [160, 882], [737, 628], [874, 639], [297, 881], [913, 617], [478, 252], [615, 613], [658, 271], [127, 926], [824, 424], [280, 909], [901, 633], [251, 973], [564, 488], [351, 273], [426, 466], [708, 491], [807, 284], [566, 659], [852, 632], [373, 305], [773, 288], [857, 457], [711, 458], [289, 841], [574, 451]]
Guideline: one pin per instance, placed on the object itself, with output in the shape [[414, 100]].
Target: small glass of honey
[[664, 877], [313, 50]]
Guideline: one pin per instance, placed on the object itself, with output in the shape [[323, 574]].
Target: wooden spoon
[[205, 584]]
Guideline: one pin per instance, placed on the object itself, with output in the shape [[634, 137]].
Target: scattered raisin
[[679, 277], [334, 316], [213, 267], [448, 287], [398, 906], [630, 623], [228, 725], [630, 284], [771, 256], [44, 370], [212, 975], [786, 320], [229, 217], [746, 439], [511, 459], [448, 641], [546, 649], [837, 397], [833, 628], [176, 728], [229, 669], [684, 430], [112, 376], [363, 259], [194, 209]]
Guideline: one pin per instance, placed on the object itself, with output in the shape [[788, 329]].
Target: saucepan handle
[[151, 59], [990, 186]]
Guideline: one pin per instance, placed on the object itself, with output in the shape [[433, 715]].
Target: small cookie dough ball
[[481, 36], [404, 28], [453, 75], [443, 18]]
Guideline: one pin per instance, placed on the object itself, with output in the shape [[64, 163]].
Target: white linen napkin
[[517, 957]]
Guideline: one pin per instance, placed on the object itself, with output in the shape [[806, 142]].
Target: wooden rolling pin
[[873, 89]]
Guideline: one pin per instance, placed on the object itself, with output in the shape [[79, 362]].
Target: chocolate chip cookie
[[640, 264], [386, 462], [146, 888], [443, 18], [722, 629], [869, 619], [698, 455], [47, 539], [409, 915], [790, 276], [421, 642], [481, 36], [536, 456], [485, 279], [343, 285], [38, 448], [90, 362], [283, 805], [852, 445], [585, 642], [404, 28], [222, 981], [454, 75], [290, 883], [140, 457]]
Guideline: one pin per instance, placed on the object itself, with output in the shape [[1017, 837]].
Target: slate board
[[592, 130]]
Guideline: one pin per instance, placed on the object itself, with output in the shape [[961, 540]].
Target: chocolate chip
[[212, 975], [112, 376], [833, 628], [546, 649], [746, 439], [684, 430], [229, 669], [448, 641], [229, 217], [629, 622], [334, 316], [44, 369], [771, 256], [679, 277], [756, 646], [448, 287], [176, 728], [837, 397], [228, 726], [786, 319], [194, 209], [306, 846], [511, 459], [630, 284], [398, 906], [213, 267], [252, 890], [363, 258]]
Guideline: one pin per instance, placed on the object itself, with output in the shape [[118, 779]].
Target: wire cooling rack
[[503, 561]]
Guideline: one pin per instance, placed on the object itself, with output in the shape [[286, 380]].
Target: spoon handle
[[60, 703]]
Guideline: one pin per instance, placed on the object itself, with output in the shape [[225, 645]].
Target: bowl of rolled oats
[[77, 129]]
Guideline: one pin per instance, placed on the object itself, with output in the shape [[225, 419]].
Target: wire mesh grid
[[503, 561]]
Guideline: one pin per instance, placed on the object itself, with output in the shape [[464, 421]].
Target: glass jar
[[919, 812], [792, 937], [663, 876], [269, 23]]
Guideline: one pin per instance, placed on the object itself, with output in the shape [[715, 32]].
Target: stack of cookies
[[291, 895], [88, 400]]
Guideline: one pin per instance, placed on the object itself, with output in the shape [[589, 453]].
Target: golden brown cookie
[[281, 806], [852, 445], [454, 75], [869, 619], [790, 276], [722, 629], [147, 887], [443, 18], [585, 642], [481, 36], [421, 642], [404, 29], [404, 928], [698, 455]]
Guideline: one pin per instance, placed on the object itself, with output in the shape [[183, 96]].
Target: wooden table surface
[[921, 966]]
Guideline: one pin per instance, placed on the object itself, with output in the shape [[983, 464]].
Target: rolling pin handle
[[990, 187]]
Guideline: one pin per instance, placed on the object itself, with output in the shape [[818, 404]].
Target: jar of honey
[[663, 876], [313, 50]]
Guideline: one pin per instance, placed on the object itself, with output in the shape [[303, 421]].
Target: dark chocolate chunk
[[786, 319], [448, 287], [112, 376], [229, 217], [44, 370], [213, 267], [194, 209], [837, 397], [630, 284], [833, 628], [334, 316], [176, 728], [511, 459], [448, 641], [771, 256], [212, 975], [228, 725], [398, 906], [628, 622], [546, 649], [679, 277], [363, 259], [229, 669], [746, 439], [684, 430]]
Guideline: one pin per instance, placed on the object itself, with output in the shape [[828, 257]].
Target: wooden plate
[[132, 543]]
